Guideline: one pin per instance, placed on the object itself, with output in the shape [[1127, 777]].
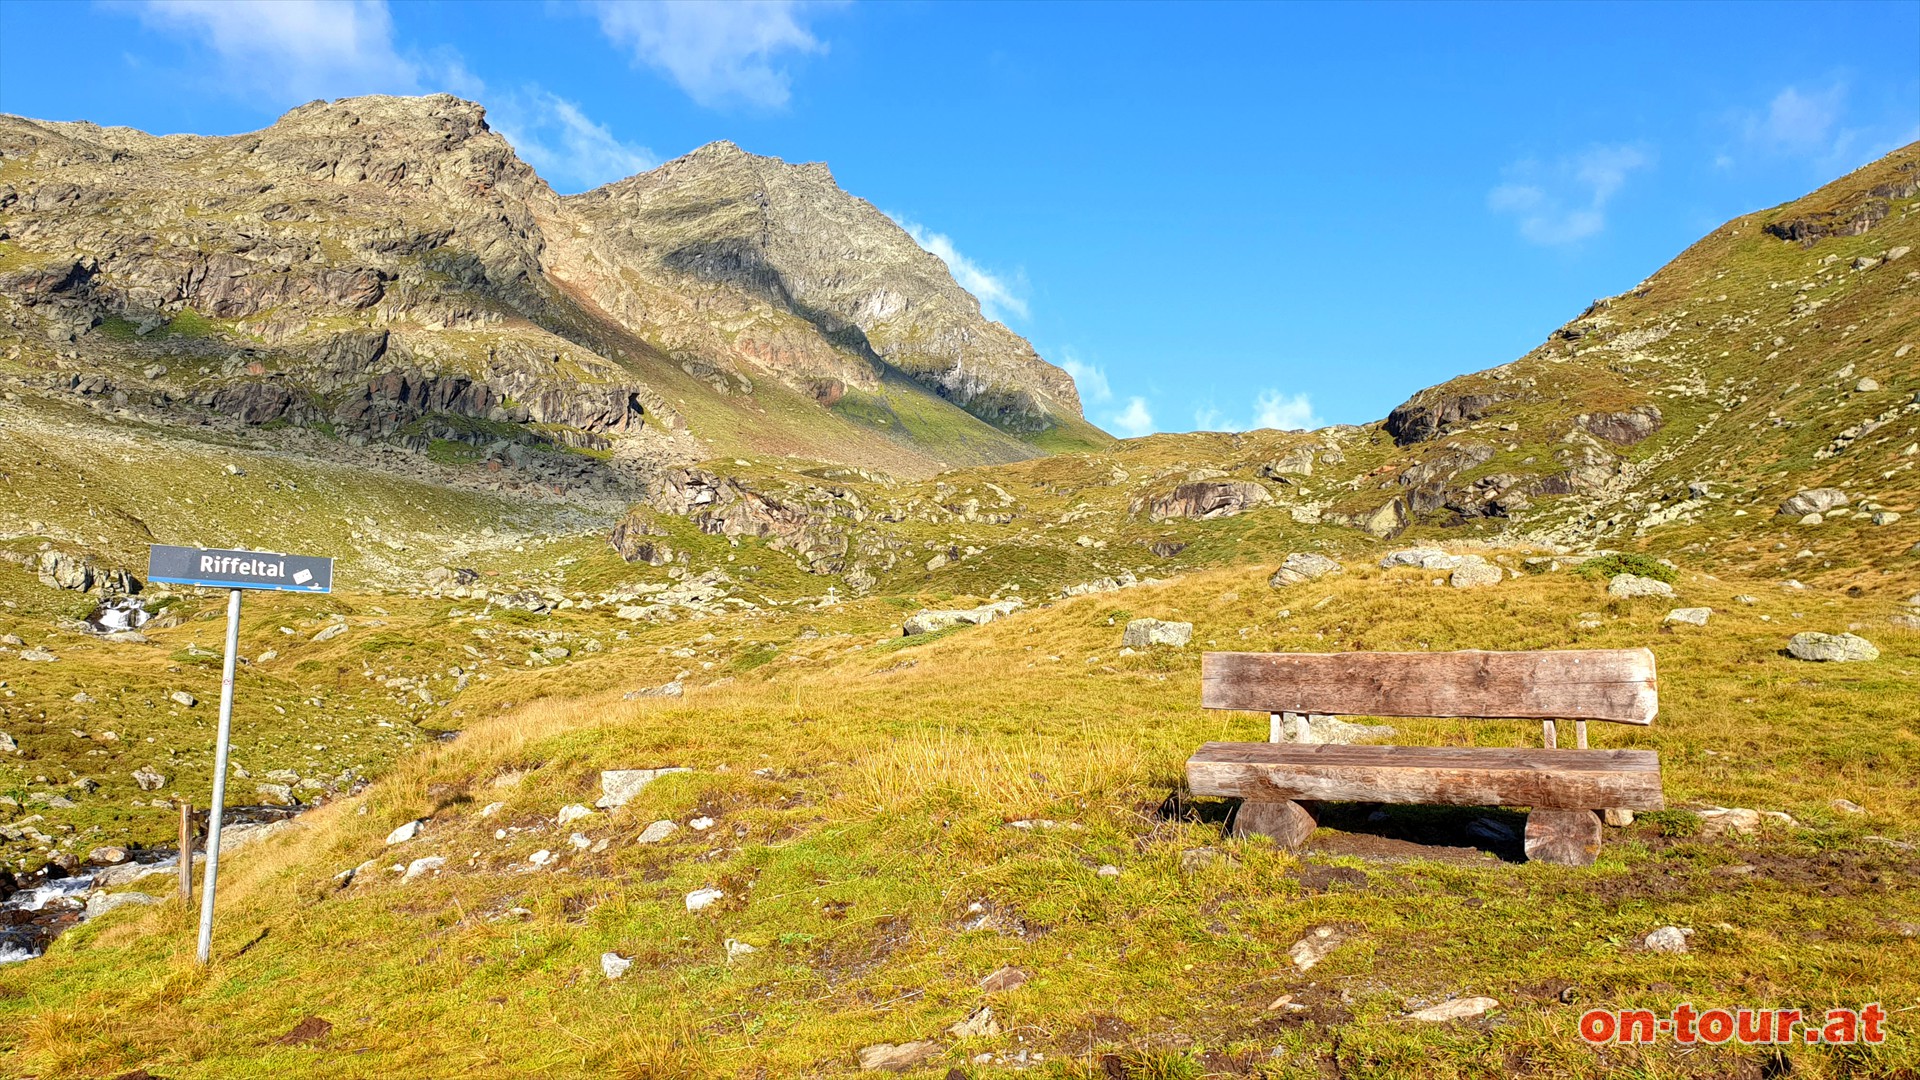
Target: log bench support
[[1280, 784]]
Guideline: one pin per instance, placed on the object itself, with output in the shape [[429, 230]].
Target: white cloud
[[997, 295], [1133, 421], [1796, 122], [1271, 409], [1090, 378], [562, 143], [718, 52], [297, 48], [1811, 125], [1565, 201]]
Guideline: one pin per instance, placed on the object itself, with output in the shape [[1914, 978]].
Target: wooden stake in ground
[[186, 854]]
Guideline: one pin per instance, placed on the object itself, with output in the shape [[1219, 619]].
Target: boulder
[[111, 855], [1623, 428], [926, 622], [619, 786], [1295, 462], [1836, 648], [1317, 730], [1209, 499], [1475, 572], [1423, 558], [331, 632], [1629, 586], [1303, 566], [1434, 411], [1141, 633], [1814, 501], [100, 903]]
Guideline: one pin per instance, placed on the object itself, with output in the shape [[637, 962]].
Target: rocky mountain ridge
[[388, 266]]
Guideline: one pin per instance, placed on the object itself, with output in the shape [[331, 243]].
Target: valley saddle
[[1280, 783]]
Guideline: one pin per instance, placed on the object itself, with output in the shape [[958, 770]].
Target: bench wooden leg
[[1288, 822], [1565, 837]]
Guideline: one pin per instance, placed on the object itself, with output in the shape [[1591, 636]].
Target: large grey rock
[[1303, 566], [1209, 499], [100, 903], [926, 622], [1295, 462], [619, 786], [1814, 501], [1628, 586], [1475, 572], [1141, 633], [1837, 648], [1317, 730], [1423, 558]]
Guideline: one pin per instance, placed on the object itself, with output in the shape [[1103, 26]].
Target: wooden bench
[[1279, 783]]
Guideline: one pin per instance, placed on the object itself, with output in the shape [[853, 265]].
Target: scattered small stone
[[1814, 501], [1423, 558], [1617, 819], [572, 812], [676, 688], [1315, 946], [1667, 939], [886, 1057], [492, 808], [1885, 517], [657, 832], [1847, 806], [580, 841], [109, 855], [1691, 616], [183, 699], [737, 949], [701, 899], [700, 824], [421, 867], [1866, 386], [9, 746], [148, 778], [613, 965], [1003, 980], [1737, 821], [406, 831], [38, 655], [1107, 870], [1141, 633], [1456, 1009], [329, 633], [542, 857], [978, 1024], [1834, 648]]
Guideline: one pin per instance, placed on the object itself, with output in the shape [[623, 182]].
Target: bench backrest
[[1573, 684]]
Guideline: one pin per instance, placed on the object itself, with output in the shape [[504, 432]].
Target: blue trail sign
[[219, 568]]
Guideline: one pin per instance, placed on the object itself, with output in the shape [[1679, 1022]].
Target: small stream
[[45, 907]]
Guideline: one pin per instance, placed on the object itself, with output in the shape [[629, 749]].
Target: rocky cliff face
[[388, 269], [764, 243]]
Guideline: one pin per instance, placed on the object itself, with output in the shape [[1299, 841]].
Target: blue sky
[[1216, 216]]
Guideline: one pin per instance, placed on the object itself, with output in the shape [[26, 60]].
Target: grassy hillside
[[864, 791]]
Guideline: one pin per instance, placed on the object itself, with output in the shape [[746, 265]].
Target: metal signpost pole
[[219, 775], [232, 570]]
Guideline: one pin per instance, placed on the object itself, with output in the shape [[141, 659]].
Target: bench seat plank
[[1578, 684], [1452, 776]]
